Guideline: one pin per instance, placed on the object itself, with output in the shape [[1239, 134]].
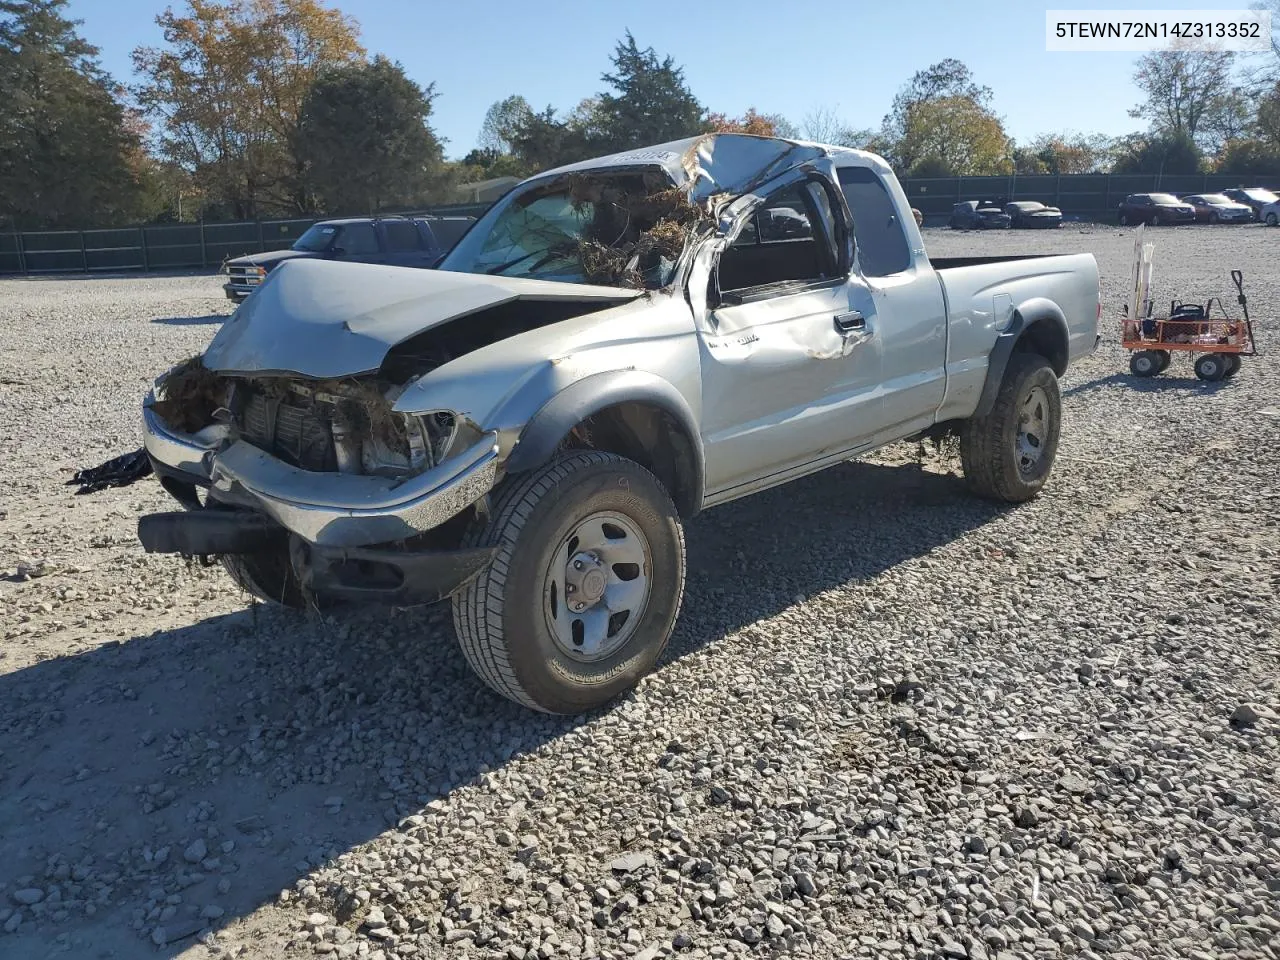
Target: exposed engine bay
[[348, 425], [342, 426]]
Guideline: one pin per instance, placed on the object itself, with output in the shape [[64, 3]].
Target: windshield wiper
[[546, 258], [511, 263]]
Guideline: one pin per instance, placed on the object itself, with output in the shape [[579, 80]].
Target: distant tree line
[[255, 108]]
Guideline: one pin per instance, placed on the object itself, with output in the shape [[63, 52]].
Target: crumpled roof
[[713, 164]]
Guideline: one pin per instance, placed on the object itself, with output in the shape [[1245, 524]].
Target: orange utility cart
[[1205, 329]]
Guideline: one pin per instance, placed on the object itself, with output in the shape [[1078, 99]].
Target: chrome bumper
[[329, 509]]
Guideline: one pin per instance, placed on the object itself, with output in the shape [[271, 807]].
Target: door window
[[778, 244], [358, 239], [402, 236]]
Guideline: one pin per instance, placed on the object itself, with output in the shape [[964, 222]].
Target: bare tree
[[500, 121], [823, 125], [1182, 88], [1274, 7]]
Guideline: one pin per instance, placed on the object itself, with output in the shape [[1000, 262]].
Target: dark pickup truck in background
[[399, 241]]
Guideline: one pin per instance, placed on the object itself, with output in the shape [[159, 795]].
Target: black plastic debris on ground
[[117, 472]]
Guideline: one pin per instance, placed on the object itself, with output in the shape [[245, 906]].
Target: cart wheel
[[1211, 367], [1166, 358], [1233, 365], [1144, 363]]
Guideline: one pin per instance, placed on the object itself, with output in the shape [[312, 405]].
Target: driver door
[[791, 351]]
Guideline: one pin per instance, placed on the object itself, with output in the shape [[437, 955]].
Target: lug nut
[[577, 564]]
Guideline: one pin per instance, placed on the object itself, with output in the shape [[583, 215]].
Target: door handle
[[850, 322]]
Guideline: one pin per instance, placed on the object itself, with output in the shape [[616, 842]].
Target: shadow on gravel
[[1160, 384], [192, 321], [179, 780]]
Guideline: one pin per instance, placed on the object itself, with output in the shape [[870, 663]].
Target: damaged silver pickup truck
[[614, 346]]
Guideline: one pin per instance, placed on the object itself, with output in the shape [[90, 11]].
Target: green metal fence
[[1085, 196], [1088, 196], [187, 246]]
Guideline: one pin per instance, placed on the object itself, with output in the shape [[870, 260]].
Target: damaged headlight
[[428, 439]]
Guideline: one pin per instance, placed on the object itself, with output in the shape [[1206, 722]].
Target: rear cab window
[[877, 230]]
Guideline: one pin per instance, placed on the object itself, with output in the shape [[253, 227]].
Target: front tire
[[1008, 454], [583, 594], [1212, 367], [268, 575], [1271, 220], [1145, 363]]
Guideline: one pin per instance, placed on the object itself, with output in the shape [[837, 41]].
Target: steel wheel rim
[[1033, 430], [1145, 364], [597, 585]]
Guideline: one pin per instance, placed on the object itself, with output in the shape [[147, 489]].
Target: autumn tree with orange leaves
[[227, 89], [752, 122]]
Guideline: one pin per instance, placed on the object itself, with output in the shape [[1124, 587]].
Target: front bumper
[[399, 578], [387, 575], [236, 291], [326, 509]]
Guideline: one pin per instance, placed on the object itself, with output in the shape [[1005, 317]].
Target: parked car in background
[[402, 241], [1218, 208], [1270, 214], [978, 215], [1155, 208], [1032, 215], [1255, 198]]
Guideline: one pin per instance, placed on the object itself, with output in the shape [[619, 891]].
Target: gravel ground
[[894, 721]]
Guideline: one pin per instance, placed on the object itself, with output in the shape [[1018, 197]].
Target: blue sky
[[775, 56]]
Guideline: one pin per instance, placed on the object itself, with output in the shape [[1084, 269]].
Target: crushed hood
[[325, 319]]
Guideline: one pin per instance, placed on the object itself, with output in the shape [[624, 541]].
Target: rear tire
[[1008, 454], [1234, 363], [517, 622], [1166, 358], [268, 575], [1272, 220]]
